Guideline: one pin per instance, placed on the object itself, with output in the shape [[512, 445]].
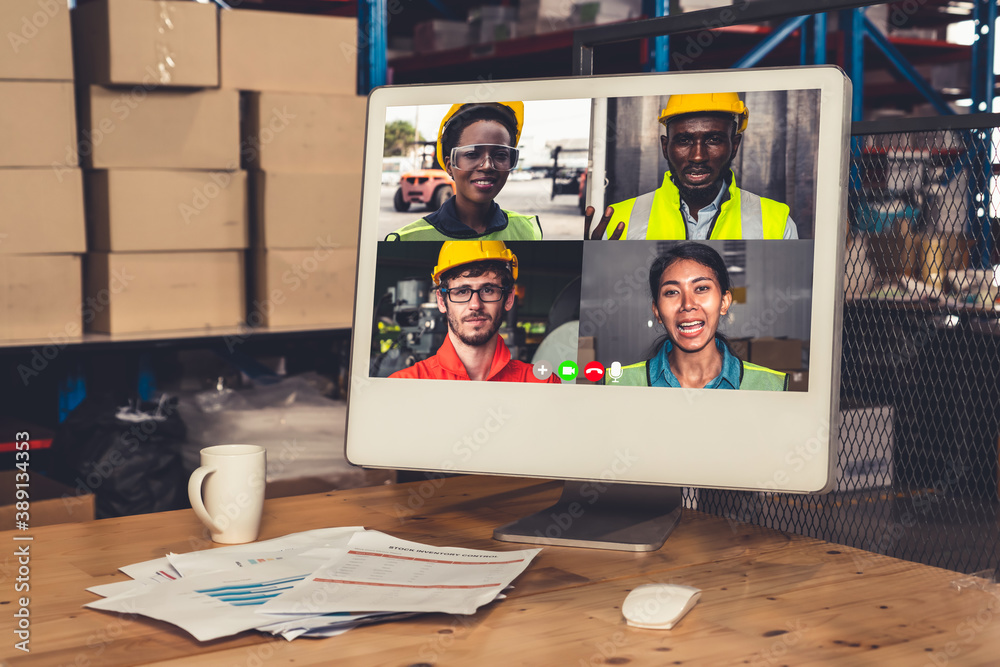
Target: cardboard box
[[50, 501], [161, 129], [295, 210], [492, 24], [304, 133], [40, 296], [141, 210], [152, 44], [37, 37], [37, 124], [313, 287], [776, 353], [605, 11], [865, 448], [41, 211], [440, 35], [289, 52], [542, 16], [164, 291]]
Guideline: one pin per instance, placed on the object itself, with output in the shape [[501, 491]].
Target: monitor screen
[[686, 333]]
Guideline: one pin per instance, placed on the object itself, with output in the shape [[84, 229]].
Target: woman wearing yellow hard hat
[[477, 145]]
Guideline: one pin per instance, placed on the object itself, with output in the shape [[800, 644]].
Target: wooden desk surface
[[769, 598]]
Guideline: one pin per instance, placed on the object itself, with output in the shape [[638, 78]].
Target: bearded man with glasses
[[474, 284]]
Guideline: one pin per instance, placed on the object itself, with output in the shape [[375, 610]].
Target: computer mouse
[[659, 606]]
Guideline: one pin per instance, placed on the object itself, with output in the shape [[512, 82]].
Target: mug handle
[[194, 494]]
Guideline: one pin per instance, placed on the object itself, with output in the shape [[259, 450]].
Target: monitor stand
[[600, 515]]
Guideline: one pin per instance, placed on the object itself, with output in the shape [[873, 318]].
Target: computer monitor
[[625, 443]]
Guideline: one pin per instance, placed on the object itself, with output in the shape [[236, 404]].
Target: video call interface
[[487, 267]]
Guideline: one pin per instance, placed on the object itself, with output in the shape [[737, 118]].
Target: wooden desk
[[769, 598]]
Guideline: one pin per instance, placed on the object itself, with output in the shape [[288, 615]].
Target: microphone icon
[[615, 371]]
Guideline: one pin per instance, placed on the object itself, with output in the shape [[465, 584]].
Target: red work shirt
[[445, 365]]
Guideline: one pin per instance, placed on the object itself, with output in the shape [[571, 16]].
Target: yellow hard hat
[[517, 108], [717, 102], [457, 253]]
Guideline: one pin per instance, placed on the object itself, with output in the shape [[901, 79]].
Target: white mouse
[[659, 606]]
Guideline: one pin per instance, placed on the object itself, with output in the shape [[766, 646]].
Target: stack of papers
[[318, 583]]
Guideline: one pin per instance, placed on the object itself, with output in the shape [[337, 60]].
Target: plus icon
[[542, 370]]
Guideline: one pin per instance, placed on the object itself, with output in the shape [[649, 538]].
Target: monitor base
[[598, 515]]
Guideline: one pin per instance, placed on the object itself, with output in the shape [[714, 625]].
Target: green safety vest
[[752, 377], [519, 228], [657, 215]]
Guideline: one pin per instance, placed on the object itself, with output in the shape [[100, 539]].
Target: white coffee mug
[[231, 480]]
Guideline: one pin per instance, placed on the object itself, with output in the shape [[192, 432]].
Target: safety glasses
[[475, 156]]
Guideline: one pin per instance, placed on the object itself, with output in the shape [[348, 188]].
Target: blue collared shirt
[[446, 221], [660, 374], [700, 228]]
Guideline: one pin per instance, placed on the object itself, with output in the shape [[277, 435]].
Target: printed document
[[378, 572]]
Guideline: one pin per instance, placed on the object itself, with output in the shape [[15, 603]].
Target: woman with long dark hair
[[690, 291]]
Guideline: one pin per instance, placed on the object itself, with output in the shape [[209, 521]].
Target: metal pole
[[980, 213], [853, 27], [765, 47], [819, 39], [659, 47], [585, 39], [372, 45], [804, 40], [905, 68]]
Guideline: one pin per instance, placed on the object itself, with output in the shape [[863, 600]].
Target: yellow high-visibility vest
[[657, 215]]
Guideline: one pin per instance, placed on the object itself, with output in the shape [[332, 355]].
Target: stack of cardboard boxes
[[166, 204], [41, 199], [158, 94], [303, 140]]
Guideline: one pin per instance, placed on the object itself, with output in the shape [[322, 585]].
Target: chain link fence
[[920, 389]]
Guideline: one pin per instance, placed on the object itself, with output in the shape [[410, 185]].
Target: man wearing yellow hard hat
[[699, 198], [477, 146], [474, 283]]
